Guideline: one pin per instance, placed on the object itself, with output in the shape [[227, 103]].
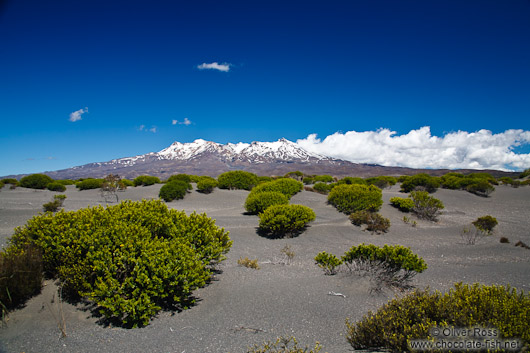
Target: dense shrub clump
[[323, 188], [356, 197], [172, 190], [286, 186], [90, 183], [258, 202], [426, 206], [480, 184], [55, 204], [237, 179], [206, 184], [401, 203], [281, 220], [381, 181], [131, 260], [181, 177], [373, 221], [145, 180], [56, 186], [35, 181], [401, 320], [421, 182]]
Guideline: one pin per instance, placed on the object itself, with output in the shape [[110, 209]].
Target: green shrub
[[206, 184], [258, 202], [485, 224], [403, 204], [524, 174], [401, 320], [88, 184], [323, 178], [481, 188], [505, 180], [237, 179], [182, 177], [35, 181], [284, 345], [426, 206], [355, 197], [66, 182], [323, 188], [264, 179], [422, 182], [56, 186], [1, 184], [131, 259], [55, 204], [381, 181], [281, 220], [308, 180], [127, 182], [286, 186], [481, 227], [11, 181], [297, 175], [328, 262], [172, 190], [352, 180], [20, 276], [374, 222], [146, 180]]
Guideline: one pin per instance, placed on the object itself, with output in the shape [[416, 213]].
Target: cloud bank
[[75, 116], [419, 149], [225, 67]]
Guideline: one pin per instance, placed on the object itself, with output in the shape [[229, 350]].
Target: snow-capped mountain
[[202, 157]]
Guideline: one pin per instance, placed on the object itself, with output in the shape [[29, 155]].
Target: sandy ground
[[243, 307]]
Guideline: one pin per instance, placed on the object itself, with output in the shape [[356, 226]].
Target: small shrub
[[478, 229], [328, 262], [127, 182], [1, 184], [486, 224], [246, 262], [35, 181], [401, 203], [260, 201], [55, 204], [381, 181], [422, 182], [90, 183], [286, 186], [524, 174], [323, 178], [504, 240], [182, 177], [206, 184], [20, 276], [66, 182], [426, 206], [284, 345], [308, 180], [11, 181], [297, 175], [288, 253], [481, 188], [237, 179], [322, 188], [355, 197], [281, 220], [264, 179], [409, 221], [145, 180], [401, 320], [352, 180], [374, 222], [173, 190]]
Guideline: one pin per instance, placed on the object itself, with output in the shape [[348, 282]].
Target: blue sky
[[132, 72]]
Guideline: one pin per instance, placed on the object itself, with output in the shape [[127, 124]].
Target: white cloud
[[225, 67], [185, 122], [153, 129], [141, 128], [419, 149], [75, 116]]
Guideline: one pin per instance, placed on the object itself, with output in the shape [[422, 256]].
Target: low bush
[[35, 181], [296, 175], [374, 222], [237, 179], [1, 184], [56, 186], [260, 201], [323, 188], [88, 184], [481, 188], [381, 181], [504, 240], [55, 204], [284, 345], [11, 181], [478, 229], [145, 180], [524, 174], [20, 276], [352, 180], [485, 224], [356, 197], [282, 220], [131, 259], [286, 186], [264, 179], [308, 180], [402, 204], [246, 262], [66, 182], [323, 178], [206, 184], [328, 262], [181, 177], [127, 182], [414, 316], [421, 182], [426, 206], [173, 190]]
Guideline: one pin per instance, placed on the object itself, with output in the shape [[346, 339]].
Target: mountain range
[[202, 157]]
